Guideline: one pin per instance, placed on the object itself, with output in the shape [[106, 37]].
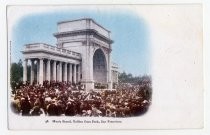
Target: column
[[25, 70], [109, 72], [37, 70], [48, 70], [60, 71], [54, 70], [75, 73], [32, 71], [40, 71], [87, 68], [65, 72], [78, 80], [117, 76], [70, 72], [44, 70]]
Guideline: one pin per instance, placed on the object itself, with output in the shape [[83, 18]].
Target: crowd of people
[[67, 99]]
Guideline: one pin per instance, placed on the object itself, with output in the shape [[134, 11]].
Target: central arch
[[99, 67]]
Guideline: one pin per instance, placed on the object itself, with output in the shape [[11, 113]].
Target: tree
[[122, 77], [16, 73], [128, 78], [145, 85]]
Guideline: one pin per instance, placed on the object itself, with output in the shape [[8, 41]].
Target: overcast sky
[[128, 31]]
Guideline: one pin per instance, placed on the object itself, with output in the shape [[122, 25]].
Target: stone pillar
[[117, 76], [65, 72], [25, 70], [32, 71], [48, 70], [41, 71], [70, 72], [87, 65], [60, 71], [54, 70], [44, 70], [68, 78], [79, 73], [37, 71], [90, 82], [75, 73], [109, 72]]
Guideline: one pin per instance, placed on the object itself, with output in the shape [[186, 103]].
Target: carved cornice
[[93, 32]]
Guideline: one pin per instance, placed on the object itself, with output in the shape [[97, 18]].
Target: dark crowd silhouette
[[68, 99]]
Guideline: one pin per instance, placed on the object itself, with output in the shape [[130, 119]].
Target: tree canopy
[[16, 71], [129, 78]]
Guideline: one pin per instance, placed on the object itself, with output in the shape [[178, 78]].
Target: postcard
[[105, 67]]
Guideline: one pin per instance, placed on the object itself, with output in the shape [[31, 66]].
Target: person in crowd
[[25, 106], [65, 98]]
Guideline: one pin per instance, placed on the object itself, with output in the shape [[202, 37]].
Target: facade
[[82, 54]]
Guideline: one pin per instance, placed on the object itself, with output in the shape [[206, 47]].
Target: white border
[[3, 66]]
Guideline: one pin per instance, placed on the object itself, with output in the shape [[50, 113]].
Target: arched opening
[[99, 67]]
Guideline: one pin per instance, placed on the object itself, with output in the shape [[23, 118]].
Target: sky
[[129, 32]]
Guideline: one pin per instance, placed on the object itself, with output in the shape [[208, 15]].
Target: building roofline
[[74, 20], [86, 30]]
